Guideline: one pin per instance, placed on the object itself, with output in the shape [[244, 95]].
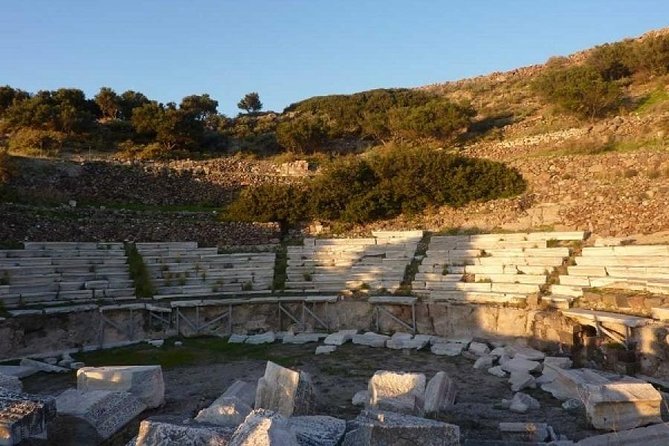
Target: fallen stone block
[[157, 432], [518, 365], [361, 398], [317, 430], [497, 371], [533, 432], [655, 435], [340, 338], [264, 427], [42, 366], [517, 351], [484, 362], [521, 380], [479, 348], [447, 349], [370, 339], [17, 370], [237, 339], [498, 351], [377, 428], [397, 391], [301, 338], [285, 391], [400, 341], [23, 416], [521, 403], [325, 349], [569, 383], [439, 393], [11, 383], [145, 382], [619, 406], [231, 408], [156, 342], [92, 417], [263, 338]]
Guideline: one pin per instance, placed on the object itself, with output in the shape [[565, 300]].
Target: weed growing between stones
[[138, 272]]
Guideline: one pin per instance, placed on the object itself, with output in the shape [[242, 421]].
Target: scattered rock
[[447, 349], [266, 428], [285, 391], [23, 416], [237, 339], [497, 371], [479, 348], [325, 349], [397, 391], [11, 383], [525, 353], [521, 403], [317, 430], [361, 398], [370, 339], [572, 404], [341, 337], [156, 342], [156, 432], [231, 408], [517, 365], [521, 380], [263, 338], [484, 362], [439, 393], [42, 366]]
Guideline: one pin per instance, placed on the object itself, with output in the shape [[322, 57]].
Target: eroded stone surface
[[317, 430], [11, 383], [370, 339], [447, 348], [397, 391], [622, 405], [285, 391], [263, 338], [156, 432], [439, 393], [145, 382], [23, 416], [377, 428], [264, 427], [231, 408], [656, 435], [325, 349], [339, 338]]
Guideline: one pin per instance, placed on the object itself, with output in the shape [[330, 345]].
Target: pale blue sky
[[289, 50]]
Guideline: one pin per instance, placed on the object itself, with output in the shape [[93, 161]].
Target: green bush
[[33, 141], [303, 134], [138, 272], [356, 190], [580, 90], [438, 119]]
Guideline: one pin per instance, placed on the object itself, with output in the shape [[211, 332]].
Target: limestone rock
[[156, 432], [263, 338], [521, 403], [397, 391], [361, 398], [572, 404], [521, 380], [231, 408], [484, 362], [17, 370], [237, 338], [479, 348], [317, 430], [23, 416], [405, 340], [11, 383], [521, 365], [447, 348], [370, 339], [301, 338], [439, 393], [375, 428], [285, 391], [341, 337], [622, 405], [498, 351], [497, 371], [42, 366], [528, 353], [266, 428], [656, 435], [325, 349], [94, 416], [144, 382]]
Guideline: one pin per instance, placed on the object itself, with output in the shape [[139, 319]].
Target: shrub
[[33, 141], [437, 119], [139, 272], [580, 90], [356, 190], [305, 133], [612, 61]]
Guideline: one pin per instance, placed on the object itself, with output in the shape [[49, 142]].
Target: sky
[[289, 50]]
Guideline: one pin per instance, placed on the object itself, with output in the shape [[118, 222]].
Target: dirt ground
[[337, 377]]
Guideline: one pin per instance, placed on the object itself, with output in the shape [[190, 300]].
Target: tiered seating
[[489, 268], [57, 272], [334, 265], [631, 267], [181, 268]]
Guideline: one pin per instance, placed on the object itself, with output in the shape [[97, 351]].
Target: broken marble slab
[[522, 402], [17, 370], [266, 428], [301, 338], [400, 341], [23, 416], [521, 365], [317, 430], [484, 362], [285, 391], [378, 428], [11, 383], [439, 393], [237, 338], [622, 405], [232, 407], [478, 348], [144, 381], [42, 366], [520, 351], [549, 365], [370, 339], [521, 380], [497, 371], [94, 416], [262, 338], [397, 391], [167, 431], [340, 338], [325, 349], [569, 383], [447, 348], [655, 435]]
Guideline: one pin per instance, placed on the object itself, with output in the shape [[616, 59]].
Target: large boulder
[[439, 394], [158, 432], [231, 408], [264, 428], [94, 416], [285, 391], [374, 428], [23, 416], [145, 382], [397, 391]]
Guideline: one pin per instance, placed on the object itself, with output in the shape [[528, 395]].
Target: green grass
[[649, 102], [194, 351]]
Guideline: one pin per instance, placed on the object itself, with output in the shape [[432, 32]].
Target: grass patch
[[194, 351], [138, 272], [649, 103]]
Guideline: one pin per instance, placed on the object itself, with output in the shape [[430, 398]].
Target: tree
[[304, 133], [130, 100], [250, 102], [108, 102], [201, 106]]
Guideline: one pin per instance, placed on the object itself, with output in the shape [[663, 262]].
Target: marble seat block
[[622, 405], [144, 382], [397, 391]]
